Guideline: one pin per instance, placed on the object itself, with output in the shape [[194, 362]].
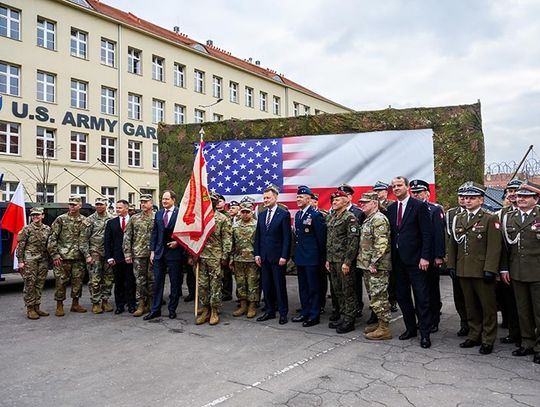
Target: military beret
[[380, 186], [36, 211], [346, 188], [233, 203], [515, 183], [145, 197], [338, 193], [75, 199], [246, 207], [273, 188], [304, 190], [102, 201], [419, 185], [473, 189], [528, 188], [368, 197]]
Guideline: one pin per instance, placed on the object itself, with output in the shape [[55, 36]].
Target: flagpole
[[196, 288]]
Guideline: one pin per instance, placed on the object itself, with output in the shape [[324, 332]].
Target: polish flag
[[14, 219]]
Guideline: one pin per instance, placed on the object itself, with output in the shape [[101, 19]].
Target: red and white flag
[[195, 221], [14, 218]]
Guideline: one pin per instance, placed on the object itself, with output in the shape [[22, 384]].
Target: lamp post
[[210, 107]]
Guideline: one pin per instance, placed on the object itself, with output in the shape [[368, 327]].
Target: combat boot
[[252, 309], [204, 317], [242, 310], [96, 309], [140, 309], [59, 309], [106, 306], [147, 305], [371, 328], [76, 307], [214, 317], [40, 312], [381, 333], [31, 312]]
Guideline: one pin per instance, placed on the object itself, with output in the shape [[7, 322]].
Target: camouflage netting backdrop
[[458, 140]]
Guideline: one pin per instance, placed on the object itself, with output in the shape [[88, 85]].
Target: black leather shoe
[[299, 318], [345, 327], [372, 319], [151, 315], [509, 339], [523, 352], [334, 316], [335, 324], [486, 349], [119, 310], [469, 343], [463, 331], [536, 358], [172, 315], [132, 308], [434, 328], [310, 322], [189, 298], [283, 320], [425, 342], [265, 317], [407, 335]]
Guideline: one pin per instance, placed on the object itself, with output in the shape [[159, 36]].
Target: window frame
[[79, 94], [108, 145], [107, 102], [233, 91], [10, 78], [81, 147], [76, 190], [155, 156], [179, 111], [199, 79], [79, 43], [248, 96], [132, 104], [263, 101], [106, 52], [7, 194], [9, 135], [217, 87], [45, 32], [179, 74], [276, 105], [9, 22], [158, 68], [46, 87], [45, 195], [134, 150], [199, 116], [134, 64], [158, 109]]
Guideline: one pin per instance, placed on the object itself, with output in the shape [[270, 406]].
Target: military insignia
[[306, 230], [381, 228], [474, 228], [497, 225], [353, 229], [479, 236], [307, 221]]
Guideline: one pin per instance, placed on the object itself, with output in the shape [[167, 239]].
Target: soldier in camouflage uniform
[[137, 251], [374, 258], [64, 247], [211, 260], [243, 264], [33, 262], [100, 272], [341, 249]]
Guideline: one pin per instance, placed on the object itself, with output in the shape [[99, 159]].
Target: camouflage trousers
[[210, 282], [377, 288], [344, 291], [34, 275], [144, 278], [101, 279], [246, 275], [71, 271]]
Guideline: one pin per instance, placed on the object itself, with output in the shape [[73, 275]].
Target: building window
[[131, 197], [46, 33], [78, 94], [9, 138], [249, 96], [263, 101], [179, 114], [81, 191], [7, 190], [179, 75], [158, 111], [108, 50], [45, 142], [158, 68], [276, 105], [108, 150], [108, 100], [134, 153], [134, 106], [307, 110], [78, 146], [155, 156], [217, 117], [199, 81], [150, 192], [45, 193], [78, 43], [10, 22], [46, 87], [109, 193], [134, 61], [296, 108], [216, 87], [233, 92], [199, 116], [9, 79]]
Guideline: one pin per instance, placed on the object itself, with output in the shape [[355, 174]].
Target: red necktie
[[166, 218], [399, 215], [123, 226]]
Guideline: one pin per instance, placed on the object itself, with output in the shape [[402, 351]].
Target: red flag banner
[[14, 218]]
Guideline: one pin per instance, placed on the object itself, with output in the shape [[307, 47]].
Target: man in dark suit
[[165, 255], [271, 249], [124, 279], [411, 249], [309, 255]]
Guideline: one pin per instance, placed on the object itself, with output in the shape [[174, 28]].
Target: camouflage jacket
[[342, 238], [137, 235], [32, 242], [219, 244], [94, 234], [243, 237], [66, 236], [375, 243]]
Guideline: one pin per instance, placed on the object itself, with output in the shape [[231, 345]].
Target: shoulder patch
[[497, 225]]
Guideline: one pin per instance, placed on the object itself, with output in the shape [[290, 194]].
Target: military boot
[[106, 306], [381, 333], [204, 317], [96, 309], [371, 328], [76, 307], [140, 309], [31, 312], [252, 309], [147, 305], [40, 312], [214, 317], [242, 310], [372, 319], [59, 309]]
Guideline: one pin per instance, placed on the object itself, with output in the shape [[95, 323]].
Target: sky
[[368, 54]]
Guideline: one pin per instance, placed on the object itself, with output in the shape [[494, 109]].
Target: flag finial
[[201, 133]]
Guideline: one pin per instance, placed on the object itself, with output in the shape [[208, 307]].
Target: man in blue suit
[[411, 250], [271, 250], [166, 255], [309, 255]]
